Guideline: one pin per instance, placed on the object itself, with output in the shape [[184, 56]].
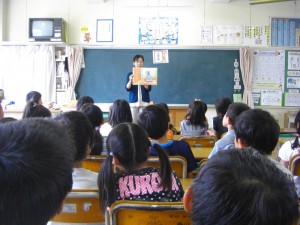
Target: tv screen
[[42, 28]]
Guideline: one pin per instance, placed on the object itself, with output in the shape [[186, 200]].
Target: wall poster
[[158, 30]]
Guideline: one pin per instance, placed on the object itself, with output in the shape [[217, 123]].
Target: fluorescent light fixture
[[219, 1], [254, 2]]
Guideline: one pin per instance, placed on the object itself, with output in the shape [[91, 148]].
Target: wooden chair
[[80, 207], [200, 141], [178, 164], [294, 165], [94, 162], [145, 213]]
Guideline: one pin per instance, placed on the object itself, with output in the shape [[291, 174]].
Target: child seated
[[155, 119], [221, 106], [35, 170], [241, 187], [227, 142], [289, 149], [129, 147], [195, 123], [80, 129]]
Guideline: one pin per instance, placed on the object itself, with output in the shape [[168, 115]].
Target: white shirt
[[84, 179], [105, 129]]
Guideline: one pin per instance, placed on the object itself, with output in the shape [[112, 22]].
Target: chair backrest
[[144, 213], [294, 165], [93, 163], [178, 164], [199, 141], [80, 207]]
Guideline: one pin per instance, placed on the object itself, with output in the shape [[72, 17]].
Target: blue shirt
[[133, 92], [225, 143], [181, 148]]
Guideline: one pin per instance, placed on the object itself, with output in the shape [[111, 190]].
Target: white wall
[[192, 14], [125, 13]]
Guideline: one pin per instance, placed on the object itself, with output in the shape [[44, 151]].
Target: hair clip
[[197, 100], [97, 128], [152, 144]]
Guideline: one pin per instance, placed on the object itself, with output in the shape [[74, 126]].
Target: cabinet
[[62, 76]]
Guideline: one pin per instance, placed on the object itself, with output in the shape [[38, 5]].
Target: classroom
[[114, 57], [202, 55]]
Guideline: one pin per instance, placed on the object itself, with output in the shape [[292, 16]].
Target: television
[[47, 29]]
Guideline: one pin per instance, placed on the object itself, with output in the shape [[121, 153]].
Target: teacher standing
[[138, 61]]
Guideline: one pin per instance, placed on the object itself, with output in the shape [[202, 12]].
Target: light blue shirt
[[225, 143]]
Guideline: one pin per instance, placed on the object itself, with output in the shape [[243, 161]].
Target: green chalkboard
[[190, 74]]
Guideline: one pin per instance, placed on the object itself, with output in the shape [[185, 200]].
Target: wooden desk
[[186, 182], [201, 152], [287, 130]]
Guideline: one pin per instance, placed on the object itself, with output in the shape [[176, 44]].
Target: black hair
[[241, 186], [171, 126], [222, 105], [83, 100], [33, 96], [196, 113], [129, 143], [234, 110], [35, 170], [257, 129], [34, 110], [136, 57], [80, 128], [95, 115], [154, 119], [7, 119], [296, 144], [119, 113]]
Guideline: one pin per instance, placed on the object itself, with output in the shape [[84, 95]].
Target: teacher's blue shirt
[[133, 92]]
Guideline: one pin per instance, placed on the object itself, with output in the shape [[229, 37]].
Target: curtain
[[75, 60], [27, 68], [246, 55]]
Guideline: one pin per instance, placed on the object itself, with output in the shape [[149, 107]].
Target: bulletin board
[[292, 78], [276, 78]]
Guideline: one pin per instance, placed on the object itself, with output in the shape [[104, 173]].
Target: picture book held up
[[144, 76]]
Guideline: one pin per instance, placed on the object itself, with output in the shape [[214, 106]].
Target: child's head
[[34, 110], [35, 97], [129, 143], [241, 187], [80, 128], [297, 125], [258, 129], [119, 113], [95, 116], [138, 61], [234, 110], [83, 100], [222, 105], [154, 119], [35, 170], [94, 113], [128, 147], [196, 113]]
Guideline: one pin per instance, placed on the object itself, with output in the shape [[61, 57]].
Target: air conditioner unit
[[255, 2]]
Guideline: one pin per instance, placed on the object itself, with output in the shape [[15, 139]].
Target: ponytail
[[106, 184], [97, 145], [296, 141], [165, 167], [27, 110]]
